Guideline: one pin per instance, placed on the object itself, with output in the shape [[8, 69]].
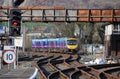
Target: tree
[[93, 32], [66, 30]]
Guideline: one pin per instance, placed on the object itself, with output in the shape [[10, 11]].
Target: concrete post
[[108, 33]]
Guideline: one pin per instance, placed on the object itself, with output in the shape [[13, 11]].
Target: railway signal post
[[15, 18], [15, 22]]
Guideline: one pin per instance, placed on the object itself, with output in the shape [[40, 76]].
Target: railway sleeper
[[42, 76], [114, 72], [89, 76], [104, 66], [92, 72], [58, 75], [75, 63], [56, 58], [106, 76], [49, 68], [45, 72], [82, 75], [68, 72], [44, 59], [62, 66]]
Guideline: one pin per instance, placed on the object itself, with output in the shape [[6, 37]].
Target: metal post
[[23, 29], [16, 57]]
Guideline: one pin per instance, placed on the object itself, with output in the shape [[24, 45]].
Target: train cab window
[[71, 42]]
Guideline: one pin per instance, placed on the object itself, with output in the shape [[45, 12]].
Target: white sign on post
[[9, 56]]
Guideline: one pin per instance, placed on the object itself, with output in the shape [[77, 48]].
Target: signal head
[[15, 22]]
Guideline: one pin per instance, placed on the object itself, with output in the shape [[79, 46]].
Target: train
[[65, 44]]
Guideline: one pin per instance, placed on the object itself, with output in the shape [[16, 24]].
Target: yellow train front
[[72, 45]]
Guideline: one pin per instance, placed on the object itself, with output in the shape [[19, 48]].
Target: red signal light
[[15, 23]]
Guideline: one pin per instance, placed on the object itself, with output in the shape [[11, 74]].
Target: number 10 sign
[[9, 56]]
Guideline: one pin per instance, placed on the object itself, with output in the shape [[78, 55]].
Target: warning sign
[[9, 56]]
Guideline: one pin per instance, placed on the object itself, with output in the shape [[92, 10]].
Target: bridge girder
[[60, 14]]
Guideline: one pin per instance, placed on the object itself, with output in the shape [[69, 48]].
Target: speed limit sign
[[9, 56]]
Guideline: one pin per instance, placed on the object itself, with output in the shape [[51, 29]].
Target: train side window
[[58, 43], [38, 43], [43, 43], [46, 43]]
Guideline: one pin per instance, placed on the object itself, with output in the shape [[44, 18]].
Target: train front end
[[72, 45]]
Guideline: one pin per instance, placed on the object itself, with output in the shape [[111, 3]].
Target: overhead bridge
[[60, 14]]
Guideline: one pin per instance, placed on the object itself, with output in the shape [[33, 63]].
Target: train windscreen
[[71, 42]]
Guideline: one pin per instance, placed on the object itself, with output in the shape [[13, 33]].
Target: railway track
[[68, 67]]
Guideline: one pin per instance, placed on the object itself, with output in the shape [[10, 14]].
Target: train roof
[[63, 38]]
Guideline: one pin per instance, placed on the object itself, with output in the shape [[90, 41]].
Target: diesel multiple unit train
[[56, 44]]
